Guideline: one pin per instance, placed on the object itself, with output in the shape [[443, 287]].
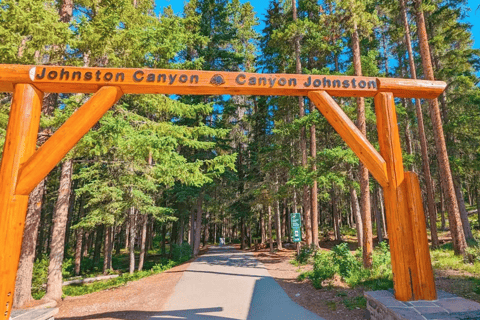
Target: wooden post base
[[412, 270]]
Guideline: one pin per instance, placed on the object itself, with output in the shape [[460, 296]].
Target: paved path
[[229, 284]]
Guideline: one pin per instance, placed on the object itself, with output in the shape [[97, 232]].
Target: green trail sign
[[296, 223]]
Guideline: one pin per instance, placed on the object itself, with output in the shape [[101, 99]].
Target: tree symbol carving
[[217, 79]]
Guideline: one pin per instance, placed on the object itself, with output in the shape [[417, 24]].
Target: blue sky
[[261, 8]]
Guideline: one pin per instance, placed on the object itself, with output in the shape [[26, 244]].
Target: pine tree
[[458, 237]]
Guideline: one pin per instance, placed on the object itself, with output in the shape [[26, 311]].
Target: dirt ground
[[138, 300]]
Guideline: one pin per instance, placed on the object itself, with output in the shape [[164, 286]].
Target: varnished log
[[351, 135], [409, 271], [419, 234], [88, 80], [20, 142]]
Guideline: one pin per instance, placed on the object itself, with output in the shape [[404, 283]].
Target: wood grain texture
[[419, 233], [399, 225], [230, 84], [351, 135], [64, 139], [20, 143]]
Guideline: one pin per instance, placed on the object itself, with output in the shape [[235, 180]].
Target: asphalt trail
[[227, 284]]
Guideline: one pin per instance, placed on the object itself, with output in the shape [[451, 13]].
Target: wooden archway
[[23, 166]]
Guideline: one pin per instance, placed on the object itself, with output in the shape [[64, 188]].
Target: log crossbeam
[[351, 135]]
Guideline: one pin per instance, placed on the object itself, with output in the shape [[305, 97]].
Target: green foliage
[[322, 269], [77, 290], [345, 262], [304, 255], [341, 261], [39, 277], [181, 252], [30, 29]]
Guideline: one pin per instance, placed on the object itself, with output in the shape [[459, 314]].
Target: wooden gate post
[[19, 145], [408, 245]]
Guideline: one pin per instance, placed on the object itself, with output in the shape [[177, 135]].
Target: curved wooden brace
[[351, 135], [64, 139]]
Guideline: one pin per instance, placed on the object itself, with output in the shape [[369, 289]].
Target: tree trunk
[[270, 237], [54, 281], [336, 216], [421, 136], [443, 225], [110, 248], [288, 224], [285, 219], [446, 180], [86, 238], [192, 227], [463, 211], [78, 250], [127, 234], [66, 11], [23, 284], [278, 223], [164, 239], [143, 242], [198, 225], [478, 206], [98, 244], [378, 216], [356, 210], [314, 189], [106, 249], [207, 231], [262, 227], [303, 140], [79, 240], [363, 171], [131, 240]]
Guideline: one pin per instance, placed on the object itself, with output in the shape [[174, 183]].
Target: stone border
[[382, 305]]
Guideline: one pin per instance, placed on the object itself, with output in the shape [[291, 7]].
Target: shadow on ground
[[166, 315]]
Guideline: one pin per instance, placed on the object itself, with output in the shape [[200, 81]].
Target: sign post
[[296, 224]]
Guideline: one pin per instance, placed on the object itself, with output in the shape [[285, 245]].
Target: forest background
[[159, 176]]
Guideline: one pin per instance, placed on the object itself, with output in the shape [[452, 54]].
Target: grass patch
[[81, 289], [358, 302], [444, 258], [180, 254]]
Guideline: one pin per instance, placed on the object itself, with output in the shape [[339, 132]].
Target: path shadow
[[154, 315], [225, 273], [229, 257], [121, 315], [192, 314]]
